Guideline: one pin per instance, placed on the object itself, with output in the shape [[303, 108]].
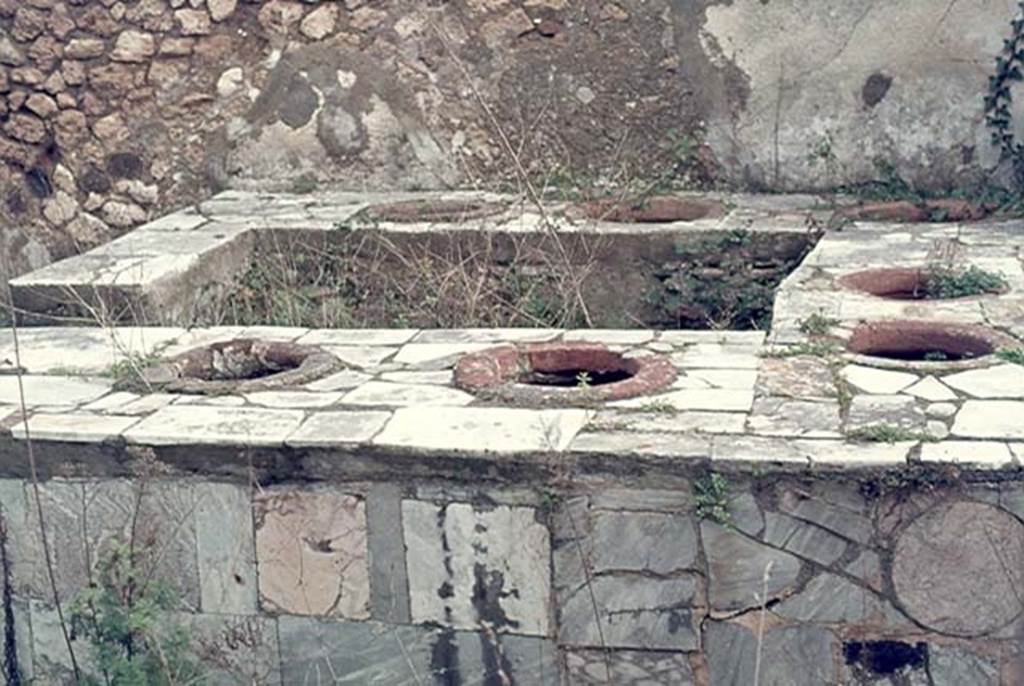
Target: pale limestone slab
[[73, 427], [184, 220], [610, 336], [330, 428], [351, 337], [710, 360], [82, 350], [455, 553], [486, 335], [442, 377], [936, 429], [311, 553], [436, 355], [755, 449], [879, 381], [298, 399], [685, 381], [725, 378], [341, 381], [362, 357], [807, 451], [888, 410], [930, 388], [52, 390], [990, 453], [482, 428], [941, 410], [643, 443], [990, 419], [795, 418], [1017, 450], [147, 403], [213, 400], [189, 424], [839, 453], [111, 401], [275, 333], [721, 399], [676, 422], [393, 394], [753, 339], [1001, 381]]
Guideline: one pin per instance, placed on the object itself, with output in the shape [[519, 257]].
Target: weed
[[886, 433], [584, 380], [951, 282], [304, 184], [809, 349], [128, 370], [817, 324], [999, 98], [124, 616], [844, 393], [549, 500], [715, 283], [659, 407], [712, 497], [1014, 355]]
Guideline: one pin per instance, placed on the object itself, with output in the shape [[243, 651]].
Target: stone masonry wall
[[869, 582], [112, 111]]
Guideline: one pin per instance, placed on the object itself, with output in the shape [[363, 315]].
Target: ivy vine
[[998, 117]]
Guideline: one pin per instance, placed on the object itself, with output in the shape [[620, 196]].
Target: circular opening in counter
[[659, 209], [915, 342], [242, 365], [908, 283], [936, 210], [895, 283], [449, 211], [561, 374]]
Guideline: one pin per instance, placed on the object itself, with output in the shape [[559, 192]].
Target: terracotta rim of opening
[[206, 370], [658, 209], [498, 373], [434, 210], [904, 335], [896, 283], [937, 210]]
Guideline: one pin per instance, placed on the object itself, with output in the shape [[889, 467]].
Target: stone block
[[225, 549], [389, 586], [159, 516], [234, 650], [794, 656], [311, 553], [633, 611], [315, 651], [737, 567], [471, 568], [591, 667], [801, 538]]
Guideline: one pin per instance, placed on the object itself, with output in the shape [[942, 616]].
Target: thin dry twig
[[37, 494]]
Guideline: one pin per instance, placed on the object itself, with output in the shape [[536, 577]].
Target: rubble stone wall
[[113, 111], [828, 580]]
